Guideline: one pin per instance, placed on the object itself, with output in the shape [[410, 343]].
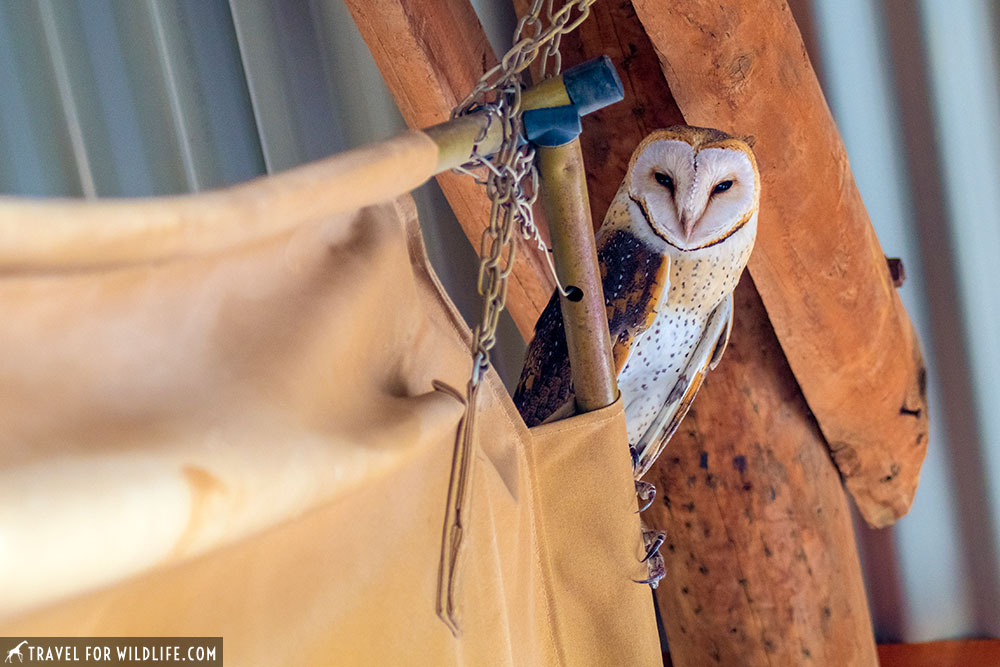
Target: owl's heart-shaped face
[[694, 187]]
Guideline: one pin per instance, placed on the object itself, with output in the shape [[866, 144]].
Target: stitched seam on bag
[[544, 564], [458, 330], [570, 427]]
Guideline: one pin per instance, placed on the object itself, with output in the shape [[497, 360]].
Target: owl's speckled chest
[[699, 281]]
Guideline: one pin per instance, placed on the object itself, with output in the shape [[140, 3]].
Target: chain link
[[511, 182], [511, 179]]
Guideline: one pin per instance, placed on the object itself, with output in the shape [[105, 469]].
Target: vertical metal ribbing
[[281, 49], [241, 13], [177, 105], [66, 99]]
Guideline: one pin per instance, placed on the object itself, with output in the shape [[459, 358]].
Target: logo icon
[[16, 651]]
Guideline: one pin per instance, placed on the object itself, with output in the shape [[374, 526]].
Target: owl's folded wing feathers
[[634, 278], [705, 357], [545, 387]]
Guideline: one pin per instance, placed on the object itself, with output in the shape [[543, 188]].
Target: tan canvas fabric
[[248, 443]]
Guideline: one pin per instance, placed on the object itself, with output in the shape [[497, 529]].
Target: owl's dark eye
[[722, 187], [664, 180]]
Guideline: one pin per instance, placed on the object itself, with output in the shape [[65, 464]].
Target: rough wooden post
[[763, 568], [761, 563]]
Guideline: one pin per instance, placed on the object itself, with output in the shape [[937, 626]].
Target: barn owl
[[671, 249]]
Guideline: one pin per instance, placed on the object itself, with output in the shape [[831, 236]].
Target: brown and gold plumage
[[633, 278], [671, 249]]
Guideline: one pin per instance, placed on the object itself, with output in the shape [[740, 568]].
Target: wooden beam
[[820, 270], [777, 604], [431, 53], [760, 557]]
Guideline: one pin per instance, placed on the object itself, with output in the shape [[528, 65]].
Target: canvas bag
[[234, 415]]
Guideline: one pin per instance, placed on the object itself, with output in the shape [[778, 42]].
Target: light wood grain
[[431, 53], [820, 270]]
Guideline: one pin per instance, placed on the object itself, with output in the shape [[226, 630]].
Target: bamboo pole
[[189, 225], [564, 196], [66, 236]]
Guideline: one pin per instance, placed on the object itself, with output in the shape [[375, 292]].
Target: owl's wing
[[705, 357], [545, 387], [633, 277], [723, 342]]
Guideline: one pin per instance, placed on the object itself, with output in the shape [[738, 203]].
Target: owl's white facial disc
[[693, 199], [662, 172], [723, 195]]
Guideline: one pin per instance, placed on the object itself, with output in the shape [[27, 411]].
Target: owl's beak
[[687, 224]]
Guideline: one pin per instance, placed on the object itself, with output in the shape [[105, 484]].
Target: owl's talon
[[656, 571], [653, 559], [653, 581], [645, 492], [653, 544]]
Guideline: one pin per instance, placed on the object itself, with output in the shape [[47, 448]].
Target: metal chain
[[527, 46], [511, 182], [511, 177]]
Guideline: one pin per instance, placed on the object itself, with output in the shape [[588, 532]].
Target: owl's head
[[694, 186]]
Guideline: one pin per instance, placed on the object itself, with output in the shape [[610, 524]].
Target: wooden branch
[[431, 53], [760, 556], [817, 263]]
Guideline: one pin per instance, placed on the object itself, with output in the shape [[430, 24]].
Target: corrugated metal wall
[[914, 89], [140, 97], [112, 98]]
